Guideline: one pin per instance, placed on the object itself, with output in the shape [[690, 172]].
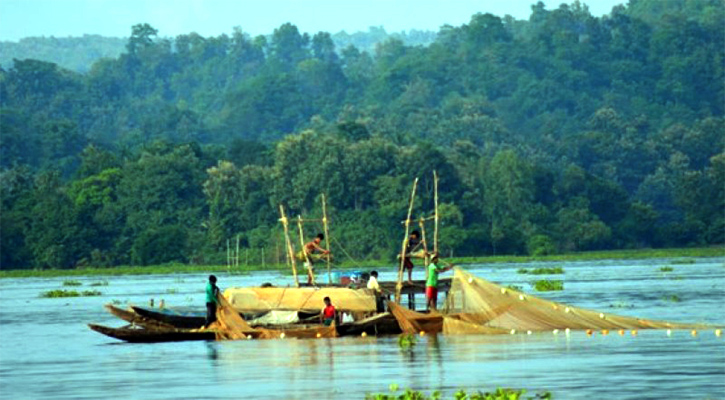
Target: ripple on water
[[46, 350]]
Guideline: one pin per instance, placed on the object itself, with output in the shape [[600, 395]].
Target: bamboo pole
[[310, 273], [431, 218], [327, 239], [229, 255], [421, 223], [399, 286], [435, 197], [236, 266], [288, 242]]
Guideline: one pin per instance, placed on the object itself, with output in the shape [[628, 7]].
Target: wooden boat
[[138, 320], [154, 336], [191, 321], [172, 319], [160, 335], [379, 324]]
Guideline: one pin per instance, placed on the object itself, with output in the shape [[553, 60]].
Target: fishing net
[[454, 324], [478, 303], [413, 322], [300, 299], [229, 325], [310, 332]]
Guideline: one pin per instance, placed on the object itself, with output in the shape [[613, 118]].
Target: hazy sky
[[60, 18]]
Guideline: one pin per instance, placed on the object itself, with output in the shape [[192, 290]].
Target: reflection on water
[[46, 351]]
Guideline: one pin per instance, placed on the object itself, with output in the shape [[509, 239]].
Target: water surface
[[46, 350]]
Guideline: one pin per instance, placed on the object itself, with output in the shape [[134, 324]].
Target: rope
[[347, 254]]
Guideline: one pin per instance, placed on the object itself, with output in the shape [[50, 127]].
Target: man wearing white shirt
[[374, 285]]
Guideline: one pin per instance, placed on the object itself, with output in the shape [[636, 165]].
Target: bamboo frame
[[431, 218], [310, 273], [435, 196], [288, 242], [421, 223], [399, 285], [236, 261], [327, 239]]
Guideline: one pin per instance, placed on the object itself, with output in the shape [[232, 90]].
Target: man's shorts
[[431, 293], [407, 264]]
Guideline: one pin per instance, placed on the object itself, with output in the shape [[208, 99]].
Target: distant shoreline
[[686, 253]]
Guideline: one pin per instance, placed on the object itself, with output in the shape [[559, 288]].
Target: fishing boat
[[135, 335], [186, 320]]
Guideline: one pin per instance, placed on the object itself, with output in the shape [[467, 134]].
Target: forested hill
[[79, 53], [563, 132]]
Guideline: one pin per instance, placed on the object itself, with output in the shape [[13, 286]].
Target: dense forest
[[563, 132], [79, 53]]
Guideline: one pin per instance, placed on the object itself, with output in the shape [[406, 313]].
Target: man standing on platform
[[311, 253], [375, 286], [414, 244], [431, 283], [212, 291]]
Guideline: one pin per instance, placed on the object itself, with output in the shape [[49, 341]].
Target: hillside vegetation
[[563, 132]]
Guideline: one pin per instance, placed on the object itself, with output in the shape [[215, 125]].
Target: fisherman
[[431, 284], [414, 243], [375, 286], [308, 255], [329, 314], [212, 291]]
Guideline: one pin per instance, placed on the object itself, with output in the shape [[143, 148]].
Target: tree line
[[563, 132]]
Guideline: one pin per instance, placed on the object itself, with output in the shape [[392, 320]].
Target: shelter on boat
[[257, 299]]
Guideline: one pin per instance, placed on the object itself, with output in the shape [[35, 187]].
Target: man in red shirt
[[329, 314]]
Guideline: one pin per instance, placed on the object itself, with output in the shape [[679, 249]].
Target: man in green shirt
[[431, 284], [212, 291]]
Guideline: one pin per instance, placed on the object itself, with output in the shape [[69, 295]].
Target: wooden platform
[[415, 287], [408, 291]]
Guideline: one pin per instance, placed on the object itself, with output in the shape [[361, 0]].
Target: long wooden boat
[[154, 336], [190, 321], [136, 335], [380, 324], [377, 325], [174, 320], [138, 320]]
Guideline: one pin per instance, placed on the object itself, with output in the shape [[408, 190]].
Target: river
[[47, 352]]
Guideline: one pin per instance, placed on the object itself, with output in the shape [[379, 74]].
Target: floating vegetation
[[683, 261], [542, 271], [406, 341], [69, 293], [666, 269], [172, 291], [498, 394], [99, 283], [515, 287], [116, 302], [672, 297], [621, 304], [72, 283], [546, 285]]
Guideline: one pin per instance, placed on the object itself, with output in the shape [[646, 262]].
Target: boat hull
[[153, 336]]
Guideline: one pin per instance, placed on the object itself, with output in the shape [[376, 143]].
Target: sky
[[62, 18]]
